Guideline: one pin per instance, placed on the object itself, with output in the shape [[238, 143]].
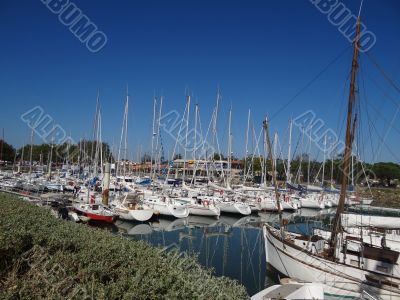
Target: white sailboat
[[132, 208], [347, 266], [166, 206]]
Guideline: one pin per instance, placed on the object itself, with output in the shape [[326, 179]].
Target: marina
[[268, 187]]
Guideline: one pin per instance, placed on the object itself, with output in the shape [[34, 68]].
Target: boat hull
[[108, 218], [341, 280], [234, 207]]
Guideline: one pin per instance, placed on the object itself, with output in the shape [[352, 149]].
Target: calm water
[[233, 246]]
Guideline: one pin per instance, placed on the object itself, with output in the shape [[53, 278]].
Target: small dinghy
[[291, 290]]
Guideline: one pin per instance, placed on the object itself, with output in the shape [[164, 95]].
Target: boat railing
[[366, 295]]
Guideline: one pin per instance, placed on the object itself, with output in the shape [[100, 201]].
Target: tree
[[7, 151], [386, 171], [218, 156], [146, 158], [178, 156]]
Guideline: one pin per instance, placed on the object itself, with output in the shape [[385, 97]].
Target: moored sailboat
[[348, 266]]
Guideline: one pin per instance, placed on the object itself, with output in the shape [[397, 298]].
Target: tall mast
[[323, 165], [186, 138], [2, 146], [30, 156], [126, 130], [229, 149], [195, 131], [349, 140], [247, 151], [275, 148], [352, 171], [195, 144], [274, 181], [288, 179], [309, 159], [301, 156], [153, 133], [331, 169], [158, 140]]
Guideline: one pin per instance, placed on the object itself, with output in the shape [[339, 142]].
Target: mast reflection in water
[[232, 246]]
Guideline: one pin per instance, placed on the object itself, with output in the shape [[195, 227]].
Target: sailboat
[[92, 209], [132, 207], [349, 267]]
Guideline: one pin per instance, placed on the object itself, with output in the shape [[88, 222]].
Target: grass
[[43, 257]]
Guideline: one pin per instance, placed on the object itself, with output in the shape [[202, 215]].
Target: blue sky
[[260, 54]]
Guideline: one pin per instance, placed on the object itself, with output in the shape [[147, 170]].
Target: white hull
[[268, 204], [311, 203], [341, 280], [234, 207], [287, 206], [140, 215], [167, 208], [199, 210]]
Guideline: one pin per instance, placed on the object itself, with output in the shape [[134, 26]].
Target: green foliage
[[386, 171], [63, 152], [45, 258], [7, 150], [219, 156]]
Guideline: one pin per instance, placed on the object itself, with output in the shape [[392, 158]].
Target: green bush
[[43, 257]]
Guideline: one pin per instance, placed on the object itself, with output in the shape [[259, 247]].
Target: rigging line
[[383, 142], [367, 112], [339, 124], [309, 83], [384, 92], [390, 123], [380, 69]]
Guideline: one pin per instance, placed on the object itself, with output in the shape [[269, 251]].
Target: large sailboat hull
[[341, 280]]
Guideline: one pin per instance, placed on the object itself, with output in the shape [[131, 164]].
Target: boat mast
[[268, 142], [158, 140], [247, 150], [30, 157], [186, 139], [288, 179], [195, 144], [275, 149], [309, 159], [153, 133], [323, 165], [350, 126], [2, 146], [126, 131], [229, 177]]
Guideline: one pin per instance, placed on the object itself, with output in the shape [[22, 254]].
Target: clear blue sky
[[260, 53]]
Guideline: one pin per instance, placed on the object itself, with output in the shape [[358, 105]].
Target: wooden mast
[[274, 181], [351, 122]]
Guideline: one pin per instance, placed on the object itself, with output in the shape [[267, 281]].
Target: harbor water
[[232, 246]]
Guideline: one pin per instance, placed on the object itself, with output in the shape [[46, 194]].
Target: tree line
[[300, 168]]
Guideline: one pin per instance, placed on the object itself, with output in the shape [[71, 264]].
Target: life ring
[[286, 198], [259, 200], [206, 203], [221, 192]]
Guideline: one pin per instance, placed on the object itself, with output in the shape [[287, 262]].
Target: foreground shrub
[[43, 257]]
